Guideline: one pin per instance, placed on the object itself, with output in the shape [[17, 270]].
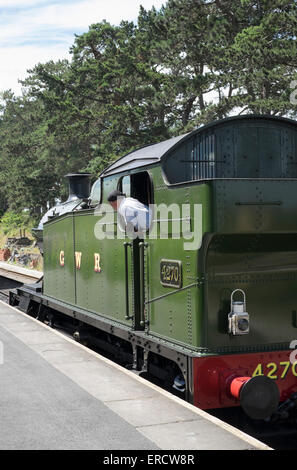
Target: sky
[[34, 31]]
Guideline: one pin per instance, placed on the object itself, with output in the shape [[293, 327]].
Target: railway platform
[[19, 273], [58, 394]]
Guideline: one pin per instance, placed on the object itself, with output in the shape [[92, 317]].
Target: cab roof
[[152, 154]]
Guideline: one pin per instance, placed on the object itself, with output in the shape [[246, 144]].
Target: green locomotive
[[207, 297]]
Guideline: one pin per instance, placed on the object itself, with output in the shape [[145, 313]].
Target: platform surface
[[57, 394], [19, 273]]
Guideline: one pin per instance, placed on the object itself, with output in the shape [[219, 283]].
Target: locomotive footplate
[[208, 378], [143, 346]]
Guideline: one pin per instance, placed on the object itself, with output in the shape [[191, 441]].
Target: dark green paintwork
[[250, 242], [59, 281], [265, 267]]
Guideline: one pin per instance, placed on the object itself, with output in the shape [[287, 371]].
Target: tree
[[26, 172], [131, 85], [265, 54]]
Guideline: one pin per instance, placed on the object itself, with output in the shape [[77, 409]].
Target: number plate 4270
[[171, 273], [275, 370]]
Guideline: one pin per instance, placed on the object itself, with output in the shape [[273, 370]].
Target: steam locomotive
[[206, 299]]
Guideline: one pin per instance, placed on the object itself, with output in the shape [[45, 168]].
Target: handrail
[[198, 283], [126, 245], [142, 245]]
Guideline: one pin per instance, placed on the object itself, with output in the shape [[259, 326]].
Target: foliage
[[12, 221], [129, 85]]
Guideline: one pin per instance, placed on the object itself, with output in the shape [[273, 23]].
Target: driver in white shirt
[[134, 213]]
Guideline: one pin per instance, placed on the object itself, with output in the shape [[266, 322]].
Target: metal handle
[[142, 245], [126, 245], [243, 293]]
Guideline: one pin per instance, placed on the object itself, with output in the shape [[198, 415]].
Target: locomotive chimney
[[79, 186]]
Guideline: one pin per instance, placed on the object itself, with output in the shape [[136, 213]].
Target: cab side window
[[138, 186], [95, 195], [125, 185]]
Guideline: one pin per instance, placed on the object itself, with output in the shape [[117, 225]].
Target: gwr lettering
[[78, 260], [97, 267], [62, 258]]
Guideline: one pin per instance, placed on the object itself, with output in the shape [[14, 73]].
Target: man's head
[[115, 198]]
